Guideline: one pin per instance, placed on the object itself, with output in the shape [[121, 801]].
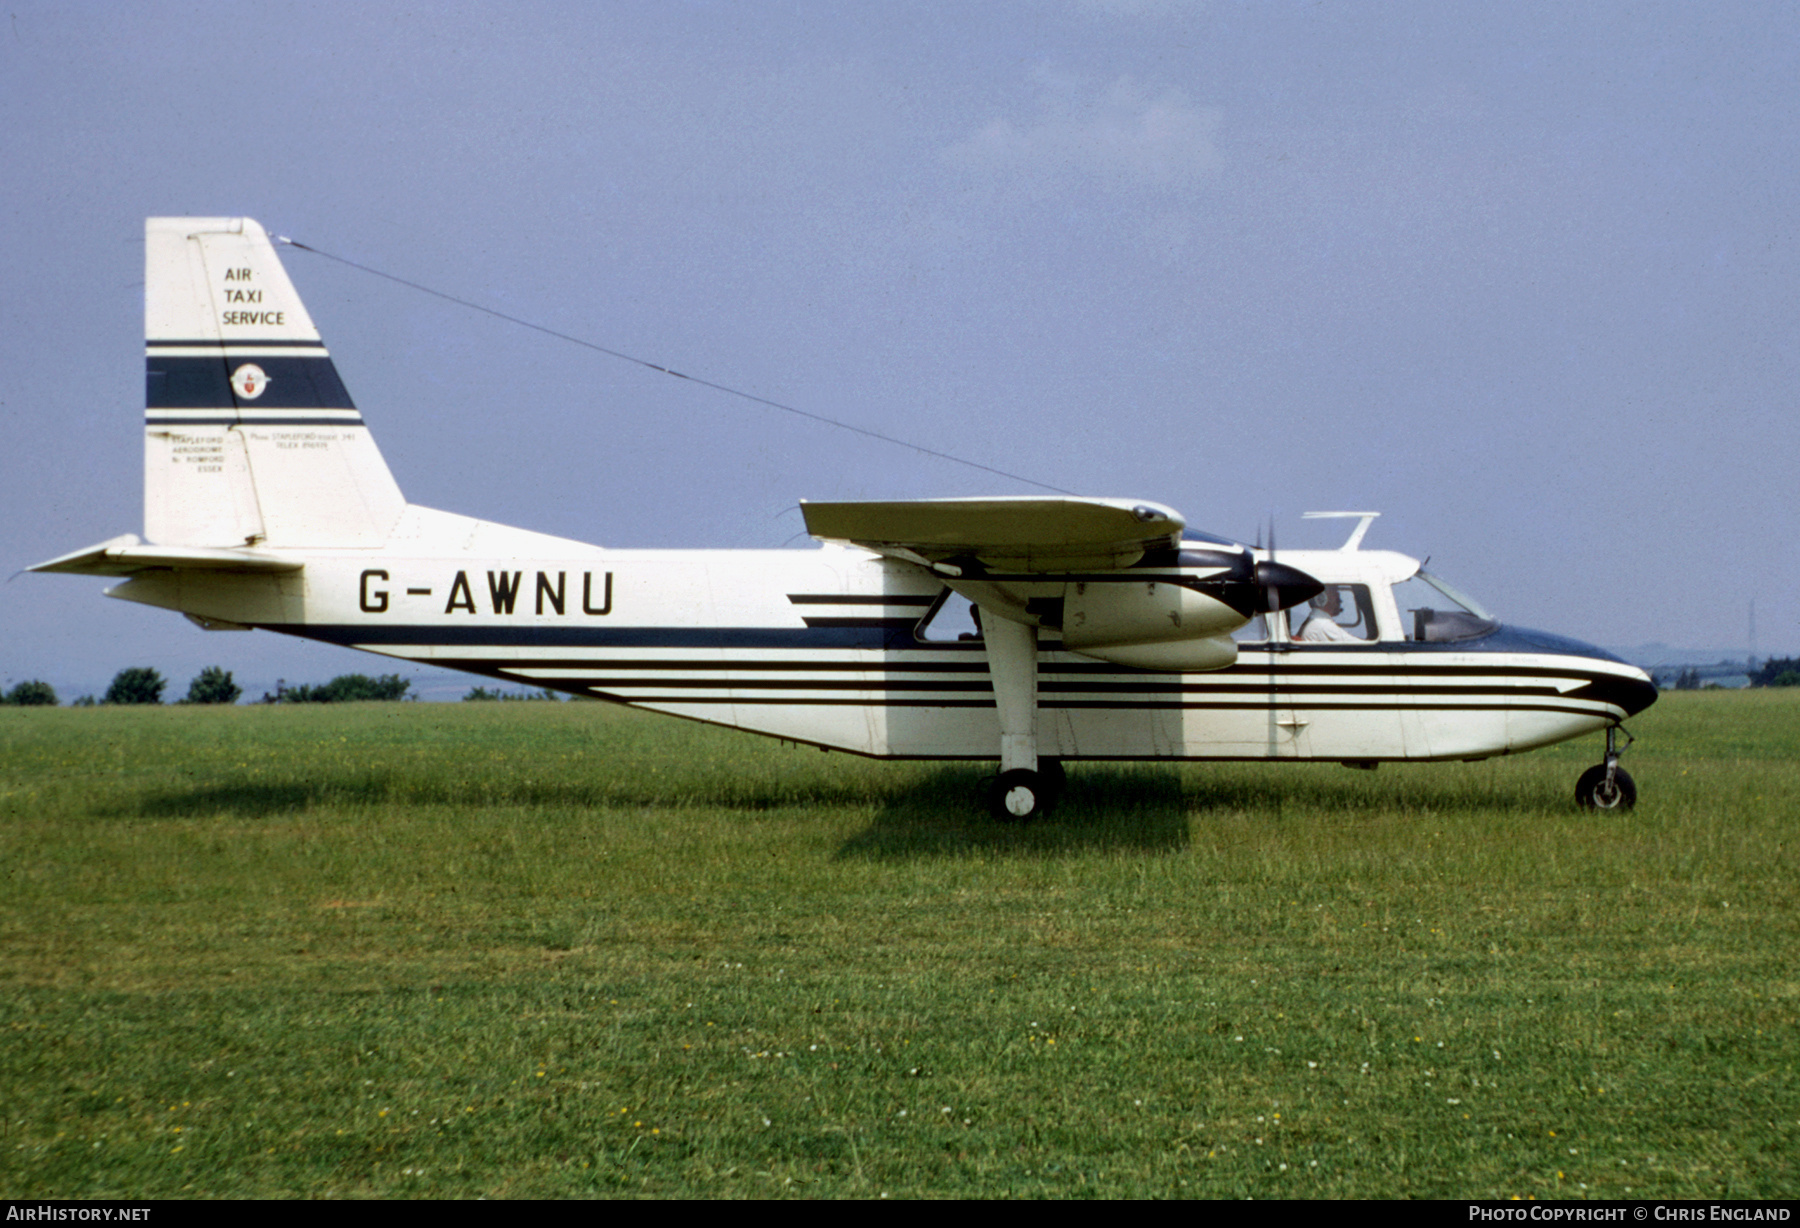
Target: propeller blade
[[1271, 595]]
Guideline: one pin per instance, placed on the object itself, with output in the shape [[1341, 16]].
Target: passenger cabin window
[[953, 619], [1432, 611], [1342, 614]]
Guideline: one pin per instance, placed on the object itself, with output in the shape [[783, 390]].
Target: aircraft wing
[[126, 556], [1028, 534]]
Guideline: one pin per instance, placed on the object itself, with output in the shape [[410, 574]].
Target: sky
[[1522, 277]]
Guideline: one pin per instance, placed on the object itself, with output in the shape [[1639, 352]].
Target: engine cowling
[[1173, 611], [1171, 656], [1099, 614]]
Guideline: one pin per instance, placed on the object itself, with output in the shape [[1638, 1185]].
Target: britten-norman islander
[[1040, 630]]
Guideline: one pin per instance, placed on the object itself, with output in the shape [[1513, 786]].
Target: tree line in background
[[343, 689], [1777, 671], [212, 685]]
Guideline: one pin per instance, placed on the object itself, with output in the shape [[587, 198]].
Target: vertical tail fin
[[249, 435]]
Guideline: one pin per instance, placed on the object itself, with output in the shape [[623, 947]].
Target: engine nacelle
[[1172, 656], [1172, 611], [1149, 624]]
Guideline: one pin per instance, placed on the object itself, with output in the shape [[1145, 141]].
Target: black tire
[[1018, 796], [1591, 792]]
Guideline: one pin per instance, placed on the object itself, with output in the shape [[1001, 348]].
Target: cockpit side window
[[1342, 614]]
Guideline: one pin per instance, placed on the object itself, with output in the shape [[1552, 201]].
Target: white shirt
[[1320, 629]]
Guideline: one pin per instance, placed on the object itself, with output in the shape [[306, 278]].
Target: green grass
[[565, 950]]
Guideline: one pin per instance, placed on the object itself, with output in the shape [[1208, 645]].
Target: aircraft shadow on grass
[[357, 792], [1152, 809], [1104, 809], [1142, 808], [931, 811]]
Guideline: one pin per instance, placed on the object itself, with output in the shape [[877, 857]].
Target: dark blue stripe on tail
[[295, 382]]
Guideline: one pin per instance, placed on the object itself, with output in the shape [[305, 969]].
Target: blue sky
[[1522, 277]]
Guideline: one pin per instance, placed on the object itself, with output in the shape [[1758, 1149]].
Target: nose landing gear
[[1606, 785]]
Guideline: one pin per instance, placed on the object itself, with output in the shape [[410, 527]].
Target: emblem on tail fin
[[249, 382]]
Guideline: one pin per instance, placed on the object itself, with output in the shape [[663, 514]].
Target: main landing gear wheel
[[1595, 792], [1019, 796]]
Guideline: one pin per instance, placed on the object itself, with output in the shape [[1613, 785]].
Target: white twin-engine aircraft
[[1046, 629]]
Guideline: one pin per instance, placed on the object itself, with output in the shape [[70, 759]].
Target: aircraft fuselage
[[824, 646]]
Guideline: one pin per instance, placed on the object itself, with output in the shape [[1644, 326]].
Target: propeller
[[1270, 580], [1253, 589], [1282, 586], [1285, 586]]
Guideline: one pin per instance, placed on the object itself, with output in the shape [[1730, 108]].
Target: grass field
[[565, 950]]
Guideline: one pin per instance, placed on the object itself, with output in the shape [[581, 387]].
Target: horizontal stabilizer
[[1025, 534], [126, 556]]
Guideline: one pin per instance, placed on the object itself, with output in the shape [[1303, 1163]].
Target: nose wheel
[[1606, 785]]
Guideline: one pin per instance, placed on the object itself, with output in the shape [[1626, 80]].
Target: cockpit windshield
[[1434, 611]]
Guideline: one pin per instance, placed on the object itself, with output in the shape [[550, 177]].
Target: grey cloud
[[1121, 137]]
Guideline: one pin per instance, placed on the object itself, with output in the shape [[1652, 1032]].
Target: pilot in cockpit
[[1323, 625]]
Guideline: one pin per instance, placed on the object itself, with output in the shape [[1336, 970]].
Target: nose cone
[[1633, 694], [1639, 694], [1611, 680]]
